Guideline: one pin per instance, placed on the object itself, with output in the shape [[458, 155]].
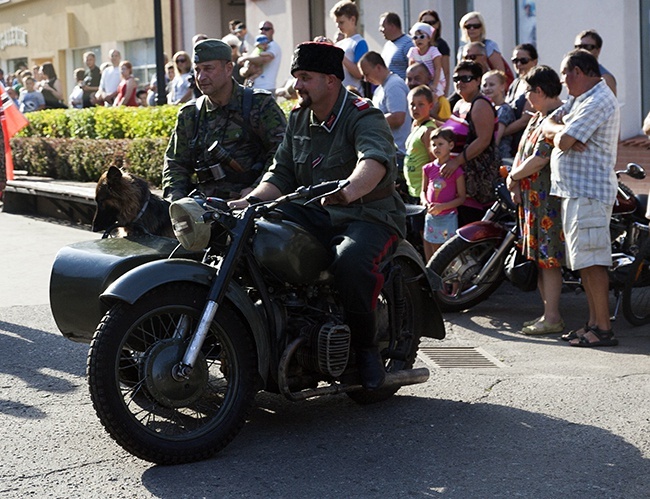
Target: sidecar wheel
[[147, 411], [399, 353]]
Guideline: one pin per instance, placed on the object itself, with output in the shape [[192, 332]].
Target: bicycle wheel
[[636, 294]]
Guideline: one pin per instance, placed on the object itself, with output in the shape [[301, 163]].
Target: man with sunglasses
[[592, 42], [269, 59], [475, 51]]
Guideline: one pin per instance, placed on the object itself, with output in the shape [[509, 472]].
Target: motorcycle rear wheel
[[458, 262], [636, 294], [398, 353], [144, 409]]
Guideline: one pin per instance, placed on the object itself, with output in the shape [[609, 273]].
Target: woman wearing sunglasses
[[474, 123], [180, 90], [524, 58], [472, 26]]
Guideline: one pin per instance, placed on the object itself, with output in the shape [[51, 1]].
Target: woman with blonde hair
[[472, 26]]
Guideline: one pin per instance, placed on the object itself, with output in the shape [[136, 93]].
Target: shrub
[[84, 160], [103, 123]]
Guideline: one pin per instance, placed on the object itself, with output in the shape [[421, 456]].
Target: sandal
[[576, 333], [543, 327], [534, 321], [605, 339]]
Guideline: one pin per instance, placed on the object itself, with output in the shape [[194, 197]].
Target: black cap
[[318, 57]]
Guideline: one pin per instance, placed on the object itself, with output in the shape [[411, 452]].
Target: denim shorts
[[439, 228]]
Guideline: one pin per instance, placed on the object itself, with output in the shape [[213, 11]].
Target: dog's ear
[[113, 175]]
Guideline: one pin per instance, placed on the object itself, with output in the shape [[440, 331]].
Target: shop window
[[142, 54]]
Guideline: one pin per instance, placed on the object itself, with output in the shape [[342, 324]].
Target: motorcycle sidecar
[[82, 271]]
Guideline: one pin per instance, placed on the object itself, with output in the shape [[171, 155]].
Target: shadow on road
[[428, 448]]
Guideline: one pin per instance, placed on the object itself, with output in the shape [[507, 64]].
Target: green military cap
[[210, 50]]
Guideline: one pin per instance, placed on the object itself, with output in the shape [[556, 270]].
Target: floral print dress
[[539, 212]]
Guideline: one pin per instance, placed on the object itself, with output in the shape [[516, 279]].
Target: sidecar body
[[82, 271]]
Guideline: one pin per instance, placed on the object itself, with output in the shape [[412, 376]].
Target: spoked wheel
[[398, 352], [636, 294], [150, 412], [458, 263]]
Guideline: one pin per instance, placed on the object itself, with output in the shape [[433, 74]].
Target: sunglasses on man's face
[[520, 60], [471, 57], [265, 28], [585, 46], [473, 26], [463, 78]]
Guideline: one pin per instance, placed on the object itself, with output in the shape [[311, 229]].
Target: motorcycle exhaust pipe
[[398, 378]]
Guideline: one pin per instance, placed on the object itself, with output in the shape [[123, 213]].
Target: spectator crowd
[[452, 128]]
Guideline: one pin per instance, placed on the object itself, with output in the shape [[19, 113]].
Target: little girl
[[441, 196], [424, 51], [493, 86]]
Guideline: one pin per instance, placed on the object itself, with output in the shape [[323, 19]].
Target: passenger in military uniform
[[335, 135], [223, 142]]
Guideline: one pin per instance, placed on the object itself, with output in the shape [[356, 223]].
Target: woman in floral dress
[[539, 212]]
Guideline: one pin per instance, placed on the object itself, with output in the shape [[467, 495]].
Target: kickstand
[[619, 298]]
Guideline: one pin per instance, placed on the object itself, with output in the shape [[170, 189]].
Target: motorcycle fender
[[480, 231], [432, 324], [135, 283]]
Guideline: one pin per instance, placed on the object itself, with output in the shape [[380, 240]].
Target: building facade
[[36, 31]]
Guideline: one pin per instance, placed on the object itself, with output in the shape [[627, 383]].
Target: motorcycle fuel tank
[[289, 252]]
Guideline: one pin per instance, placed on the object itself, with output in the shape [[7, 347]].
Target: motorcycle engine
[[327, 349]]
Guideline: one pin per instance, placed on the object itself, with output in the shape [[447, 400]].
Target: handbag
[[520, 271], [482, 171]]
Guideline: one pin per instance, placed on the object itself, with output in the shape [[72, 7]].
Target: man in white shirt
[[110, 80], [270, 59]]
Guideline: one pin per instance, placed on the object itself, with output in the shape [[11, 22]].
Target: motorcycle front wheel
[[636, 294], [152, 414], [458, 263]]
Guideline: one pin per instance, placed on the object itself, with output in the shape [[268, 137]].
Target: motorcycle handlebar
[[320, 190]]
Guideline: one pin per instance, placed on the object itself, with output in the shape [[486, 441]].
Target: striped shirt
[[592, 118]]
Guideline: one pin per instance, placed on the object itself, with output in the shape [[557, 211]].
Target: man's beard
[[304, 100]]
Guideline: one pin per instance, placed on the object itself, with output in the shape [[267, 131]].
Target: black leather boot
[[369, 362]]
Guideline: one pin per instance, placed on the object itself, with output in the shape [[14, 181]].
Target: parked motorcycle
[[471, 263], [185, 342]]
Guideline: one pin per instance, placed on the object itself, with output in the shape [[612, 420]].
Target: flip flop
[[534, 321], [605, 339], [543, 327]]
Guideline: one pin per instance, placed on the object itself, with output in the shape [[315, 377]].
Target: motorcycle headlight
[[189, 227]]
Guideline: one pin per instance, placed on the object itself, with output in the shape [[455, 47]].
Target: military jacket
[[314, 152], [250, 144]]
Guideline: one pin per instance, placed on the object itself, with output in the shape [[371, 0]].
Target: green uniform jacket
[[252, 145], [317, 152]]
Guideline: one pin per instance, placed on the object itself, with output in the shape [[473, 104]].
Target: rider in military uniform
[[335, 135], [224, 141]]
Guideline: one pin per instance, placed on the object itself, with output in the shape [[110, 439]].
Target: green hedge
[[79, 144], [84, 160]]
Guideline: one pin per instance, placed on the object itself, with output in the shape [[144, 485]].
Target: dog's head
[[117, 198]]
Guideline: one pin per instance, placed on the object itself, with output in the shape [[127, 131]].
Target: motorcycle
[[187, 336], [471, 263]]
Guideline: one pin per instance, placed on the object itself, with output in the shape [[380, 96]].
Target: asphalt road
[[542, 420]]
